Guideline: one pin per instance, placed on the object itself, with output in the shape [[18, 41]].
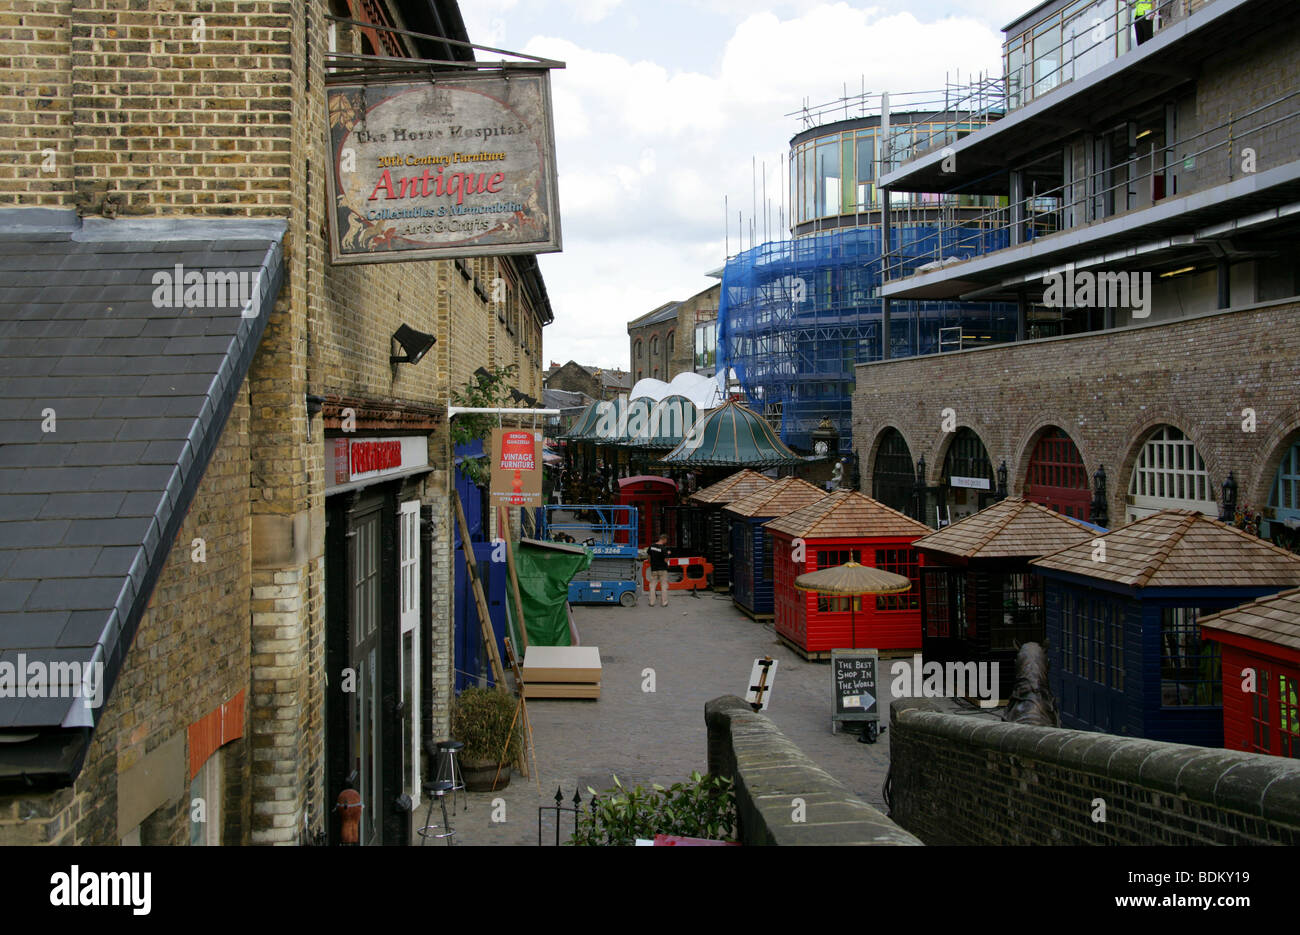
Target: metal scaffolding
[[796, 316]]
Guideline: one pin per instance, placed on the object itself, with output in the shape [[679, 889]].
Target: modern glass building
[[796, 315]]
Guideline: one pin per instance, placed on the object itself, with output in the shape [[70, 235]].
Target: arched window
[[893, 477], [1284, 496], [1056, 477], [638, 348], [670, 342], [1169, 472], [654, 345]]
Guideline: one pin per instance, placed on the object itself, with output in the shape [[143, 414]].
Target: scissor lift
[[610, 532]]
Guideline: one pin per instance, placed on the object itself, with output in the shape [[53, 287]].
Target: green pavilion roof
[[670, 420], [583, 423], [732, 436]]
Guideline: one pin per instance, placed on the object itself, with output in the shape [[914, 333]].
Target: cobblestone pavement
[[699, 649]]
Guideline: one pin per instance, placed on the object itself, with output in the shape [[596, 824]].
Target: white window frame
[[207, 785], [1169, 473], [408, 576]]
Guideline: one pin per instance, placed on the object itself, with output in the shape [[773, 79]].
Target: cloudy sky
[[664, 105]]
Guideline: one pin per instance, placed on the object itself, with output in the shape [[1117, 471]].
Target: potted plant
[[481, 719]]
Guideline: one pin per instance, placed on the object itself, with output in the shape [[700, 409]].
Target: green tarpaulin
[[545, 570]]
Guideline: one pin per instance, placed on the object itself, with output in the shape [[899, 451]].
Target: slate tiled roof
[[139, 395], [1180, 549], [847, 514], [1011, 528], [732, 487], [616, 379], [777, 499], [664, 312], [1273, 619]]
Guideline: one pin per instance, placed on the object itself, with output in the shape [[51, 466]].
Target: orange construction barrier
[[684, 574]]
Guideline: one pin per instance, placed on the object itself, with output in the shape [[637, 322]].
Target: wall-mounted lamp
[[415, 343], [1099, 510], [1229, 499]]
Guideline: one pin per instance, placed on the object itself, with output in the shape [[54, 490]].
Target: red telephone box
[[647, 493]]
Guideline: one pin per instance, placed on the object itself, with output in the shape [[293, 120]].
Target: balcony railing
[[1034, 66], [1215, 156]]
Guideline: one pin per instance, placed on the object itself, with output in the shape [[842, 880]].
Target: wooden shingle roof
[[733, 487], [1180, 549], [1011, 528], [1273, 619], [777, 499], [847, 514]]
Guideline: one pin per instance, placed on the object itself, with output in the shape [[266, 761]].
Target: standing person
[[1143, 19], [658, 555]]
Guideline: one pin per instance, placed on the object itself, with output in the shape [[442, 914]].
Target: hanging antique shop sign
[[516, 477], [457, 166]]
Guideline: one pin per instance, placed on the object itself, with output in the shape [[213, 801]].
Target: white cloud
[[647, 154]]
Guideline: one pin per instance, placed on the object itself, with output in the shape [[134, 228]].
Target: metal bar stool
[[438, 790], [448, 770]]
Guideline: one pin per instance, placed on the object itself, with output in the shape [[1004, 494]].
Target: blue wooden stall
[[751, 557], [1123, 635], [471, 665]]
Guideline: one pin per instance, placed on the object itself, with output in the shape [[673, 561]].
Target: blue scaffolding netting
[[795, 316]]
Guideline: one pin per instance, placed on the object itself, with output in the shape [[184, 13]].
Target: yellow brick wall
[[36, 103], [152, 114]]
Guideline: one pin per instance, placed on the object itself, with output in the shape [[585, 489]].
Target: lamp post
[[920, 489], [1099, 511], [1229, 499]]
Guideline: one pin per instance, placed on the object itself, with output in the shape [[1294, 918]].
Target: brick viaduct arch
[[1108, 392]]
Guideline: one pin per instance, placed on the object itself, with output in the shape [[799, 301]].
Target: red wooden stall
[[647, 493], [1264, 637], [846, 526]]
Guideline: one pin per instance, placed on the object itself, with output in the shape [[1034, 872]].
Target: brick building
[[1150, 248], [595, 382], [662, 342], [244, 517]]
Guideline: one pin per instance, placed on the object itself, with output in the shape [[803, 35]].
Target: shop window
[[1189, 665], [1289, 711], [1115, 621], [1260, 741], [1019, 619], [409, 602], [900, 562], [205, 803], [1068, 652]]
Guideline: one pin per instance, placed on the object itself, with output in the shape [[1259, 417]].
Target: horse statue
[[1031, 700]]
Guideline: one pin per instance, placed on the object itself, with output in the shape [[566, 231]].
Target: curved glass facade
[[834, 173]]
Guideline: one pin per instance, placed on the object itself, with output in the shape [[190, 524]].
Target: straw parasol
[[851, 580]]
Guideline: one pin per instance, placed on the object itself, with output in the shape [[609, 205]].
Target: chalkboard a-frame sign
[[854, 686]]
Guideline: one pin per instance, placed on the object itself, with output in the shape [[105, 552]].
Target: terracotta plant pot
[[480, 773]]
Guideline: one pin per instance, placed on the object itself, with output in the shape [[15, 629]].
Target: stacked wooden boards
[[562, 672]]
